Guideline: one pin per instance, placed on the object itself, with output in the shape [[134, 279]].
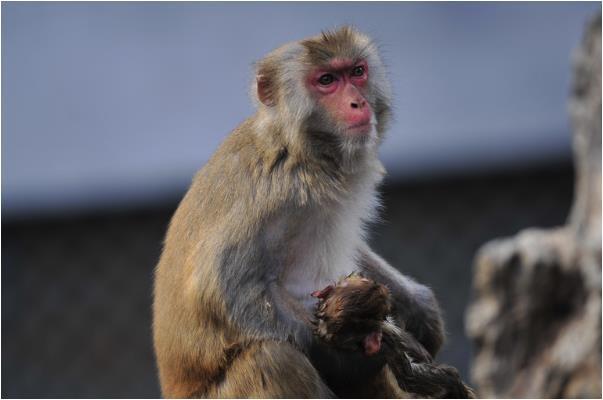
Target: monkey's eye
[[326, 79], [358, 71]]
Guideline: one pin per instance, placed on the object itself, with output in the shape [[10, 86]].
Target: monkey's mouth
[[360, 128]]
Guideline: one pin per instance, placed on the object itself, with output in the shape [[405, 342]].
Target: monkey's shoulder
[[254, 171]]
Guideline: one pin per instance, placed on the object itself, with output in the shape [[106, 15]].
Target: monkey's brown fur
[[278, 210], [355, 307]]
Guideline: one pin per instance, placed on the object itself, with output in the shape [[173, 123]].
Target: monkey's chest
[[316, 252]]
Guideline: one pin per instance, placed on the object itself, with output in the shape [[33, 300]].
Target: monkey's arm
[[261, 308], [414, 305]]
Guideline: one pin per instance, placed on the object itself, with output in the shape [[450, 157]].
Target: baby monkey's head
[[350, 314]]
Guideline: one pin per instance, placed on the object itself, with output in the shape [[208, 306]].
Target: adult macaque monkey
[[277, 213]]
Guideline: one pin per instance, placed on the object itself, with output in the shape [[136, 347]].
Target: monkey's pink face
[[339, 88]]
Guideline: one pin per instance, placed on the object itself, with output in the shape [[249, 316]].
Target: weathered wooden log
[[535, 319]]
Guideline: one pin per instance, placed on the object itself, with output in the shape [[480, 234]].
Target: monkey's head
[[331, 87]]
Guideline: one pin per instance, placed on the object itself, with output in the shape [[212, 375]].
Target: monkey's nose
[[358, 104]]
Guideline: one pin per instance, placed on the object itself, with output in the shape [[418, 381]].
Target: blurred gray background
[[108, 110]]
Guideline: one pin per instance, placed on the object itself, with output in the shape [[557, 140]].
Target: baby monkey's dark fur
[[356, 307]]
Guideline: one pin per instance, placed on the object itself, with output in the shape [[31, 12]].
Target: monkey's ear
[[266, 92]]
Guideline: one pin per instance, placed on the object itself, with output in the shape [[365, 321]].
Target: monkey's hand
[[350, 314]]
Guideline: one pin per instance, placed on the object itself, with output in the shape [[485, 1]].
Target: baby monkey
[[354, 315]]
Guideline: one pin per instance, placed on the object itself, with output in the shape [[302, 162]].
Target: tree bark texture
[[535, 317]]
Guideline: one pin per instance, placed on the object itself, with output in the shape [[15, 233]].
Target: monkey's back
[[224, 208], [190, 330]]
